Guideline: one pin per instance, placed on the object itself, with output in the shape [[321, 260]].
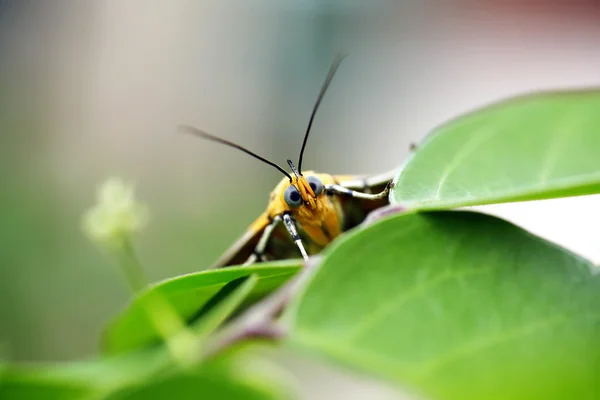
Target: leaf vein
[[472, 347], [476, 140], [393, 305], [555, 145]]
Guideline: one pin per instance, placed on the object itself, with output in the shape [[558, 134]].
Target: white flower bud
[[116, 216]]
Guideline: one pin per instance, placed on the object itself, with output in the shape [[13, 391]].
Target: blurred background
[[90, 90]]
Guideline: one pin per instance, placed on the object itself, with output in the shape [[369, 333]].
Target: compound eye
[[292, 196], [315, 184]]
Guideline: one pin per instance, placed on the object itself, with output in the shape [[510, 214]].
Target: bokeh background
[[90, 90]]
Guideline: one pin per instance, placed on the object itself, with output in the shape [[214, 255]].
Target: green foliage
[[145, 374], [533, 147], [453, 300], [447, 304], [191, 296], [79, 380], [190, 386]]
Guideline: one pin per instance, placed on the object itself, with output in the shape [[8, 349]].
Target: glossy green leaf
[[191, 295], [533, 147], [456, 305]]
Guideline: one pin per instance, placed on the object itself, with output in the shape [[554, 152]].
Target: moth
[[306, 210]]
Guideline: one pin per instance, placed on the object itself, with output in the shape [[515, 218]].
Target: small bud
[[116, 216]]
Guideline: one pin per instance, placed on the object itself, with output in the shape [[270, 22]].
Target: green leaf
[[79, 379], [226, 302], [532, 147], [456, 305], [23, 387], [140, 374], [191, 295], [191, 386], [240, 373]]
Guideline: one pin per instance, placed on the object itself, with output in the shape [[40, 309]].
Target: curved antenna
[[204, 135], [334, 66]]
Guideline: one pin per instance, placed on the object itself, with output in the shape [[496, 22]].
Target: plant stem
[[180, 341], [259, 320], [131, 266]]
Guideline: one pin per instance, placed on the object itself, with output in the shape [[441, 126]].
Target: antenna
[[332, 69], [208, 136]]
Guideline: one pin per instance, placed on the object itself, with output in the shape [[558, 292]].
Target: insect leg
[[341, 190], [291, 227], [259, 250]]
